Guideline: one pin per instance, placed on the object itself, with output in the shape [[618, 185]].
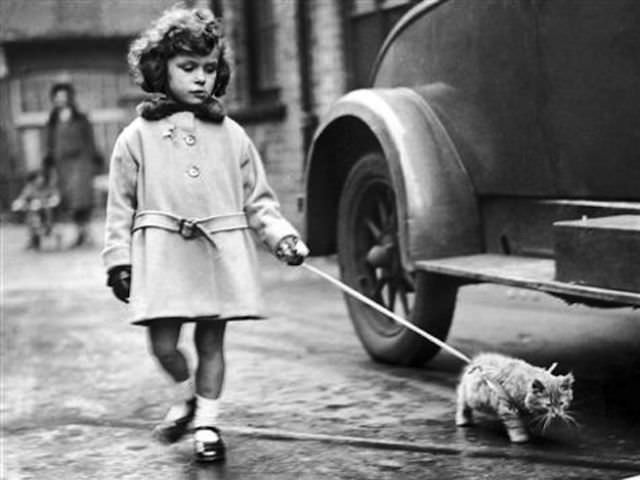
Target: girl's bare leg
[[209, 341], [164, 335], [163, 338]]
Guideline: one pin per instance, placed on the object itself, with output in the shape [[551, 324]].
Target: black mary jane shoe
[[170, 431], [209, 451]]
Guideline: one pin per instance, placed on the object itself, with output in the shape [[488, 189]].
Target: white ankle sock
[[205, 435], [184, 390], [206, 412]]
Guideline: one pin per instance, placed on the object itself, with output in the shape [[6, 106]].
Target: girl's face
[[191, 77]]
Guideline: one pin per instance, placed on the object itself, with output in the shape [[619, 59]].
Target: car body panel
[[555, 80]]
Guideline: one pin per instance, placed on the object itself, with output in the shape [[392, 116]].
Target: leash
[[495, 386], [366, 300]]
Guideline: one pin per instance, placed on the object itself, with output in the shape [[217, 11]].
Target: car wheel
[[370, 262]]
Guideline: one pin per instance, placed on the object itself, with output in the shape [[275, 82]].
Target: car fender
[[436, 204]]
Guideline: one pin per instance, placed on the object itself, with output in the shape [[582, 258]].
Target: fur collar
[[160, 106]]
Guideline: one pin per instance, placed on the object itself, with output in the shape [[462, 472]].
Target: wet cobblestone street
[[302, 400]]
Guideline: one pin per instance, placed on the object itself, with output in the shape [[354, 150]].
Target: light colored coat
[[189, 168]]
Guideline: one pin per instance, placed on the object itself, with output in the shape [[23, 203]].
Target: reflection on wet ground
[[302, 400]]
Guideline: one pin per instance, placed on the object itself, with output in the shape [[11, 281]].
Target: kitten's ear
[[537, 387], [567, 381]]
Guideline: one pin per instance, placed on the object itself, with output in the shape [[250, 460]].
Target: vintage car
[[499, 141]]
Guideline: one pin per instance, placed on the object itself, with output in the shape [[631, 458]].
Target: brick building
[[291, 59]]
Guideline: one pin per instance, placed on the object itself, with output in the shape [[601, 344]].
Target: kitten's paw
[[462, 421], [464, 417], [518, 436]]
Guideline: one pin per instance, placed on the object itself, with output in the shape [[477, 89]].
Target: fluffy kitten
[[513, 390]]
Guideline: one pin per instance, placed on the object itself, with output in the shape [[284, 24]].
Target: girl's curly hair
[[177, 31]]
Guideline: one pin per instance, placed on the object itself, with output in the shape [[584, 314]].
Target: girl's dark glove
[[291, 250], [119, 279]]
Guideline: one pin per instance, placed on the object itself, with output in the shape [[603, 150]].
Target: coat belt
[[190, 227]]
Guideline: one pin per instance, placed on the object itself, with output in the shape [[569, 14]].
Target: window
[[262, 30]]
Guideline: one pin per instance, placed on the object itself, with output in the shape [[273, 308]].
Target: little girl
[[186, 188]]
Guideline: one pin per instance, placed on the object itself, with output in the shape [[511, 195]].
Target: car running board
[[523, 272]]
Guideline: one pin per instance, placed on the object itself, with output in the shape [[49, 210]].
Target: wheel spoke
[[405, 302], [373, 228], [408, 282], [392, 296], [382, 212], [377, 294]]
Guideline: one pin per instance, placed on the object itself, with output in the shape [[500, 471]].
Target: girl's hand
[[120, 282], [291, 250]]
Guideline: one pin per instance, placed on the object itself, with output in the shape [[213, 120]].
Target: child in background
[[37, 200], [186, 190]]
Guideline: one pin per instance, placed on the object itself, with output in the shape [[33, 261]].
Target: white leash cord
[[366, 300]]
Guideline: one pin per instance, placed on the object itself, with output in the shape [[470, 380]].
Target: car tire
[[370, 262]]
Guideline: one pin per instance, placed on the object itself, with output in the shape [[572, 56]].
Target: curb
[[508, 453], [519, 452]]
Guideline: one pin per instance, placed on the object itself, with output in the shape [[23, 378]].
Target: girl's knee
[[209, 338], [163, 350], [209, 349], [164, 341]]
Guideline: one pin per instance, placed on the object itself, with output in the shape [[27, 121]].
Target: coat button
[[193, 171], [190, 140]]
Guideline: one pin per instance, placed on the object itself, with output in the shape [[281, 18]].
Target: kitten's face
[[550, 397]]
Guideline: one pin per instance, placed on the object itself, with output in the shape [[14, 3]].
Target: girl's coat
[[178, 168]]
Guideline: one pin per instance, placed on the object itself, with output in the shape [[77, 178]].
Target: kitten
[[513, 390]]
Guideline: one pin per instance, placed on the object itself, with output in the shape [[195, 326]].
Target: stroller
[[38, 200]]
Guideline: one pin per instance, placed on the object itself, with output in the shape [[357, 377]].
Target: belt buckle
[[187, 228]]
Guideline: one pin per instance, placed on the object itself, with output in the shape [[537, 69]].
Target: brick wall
[[280, 141], [327, 50]]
